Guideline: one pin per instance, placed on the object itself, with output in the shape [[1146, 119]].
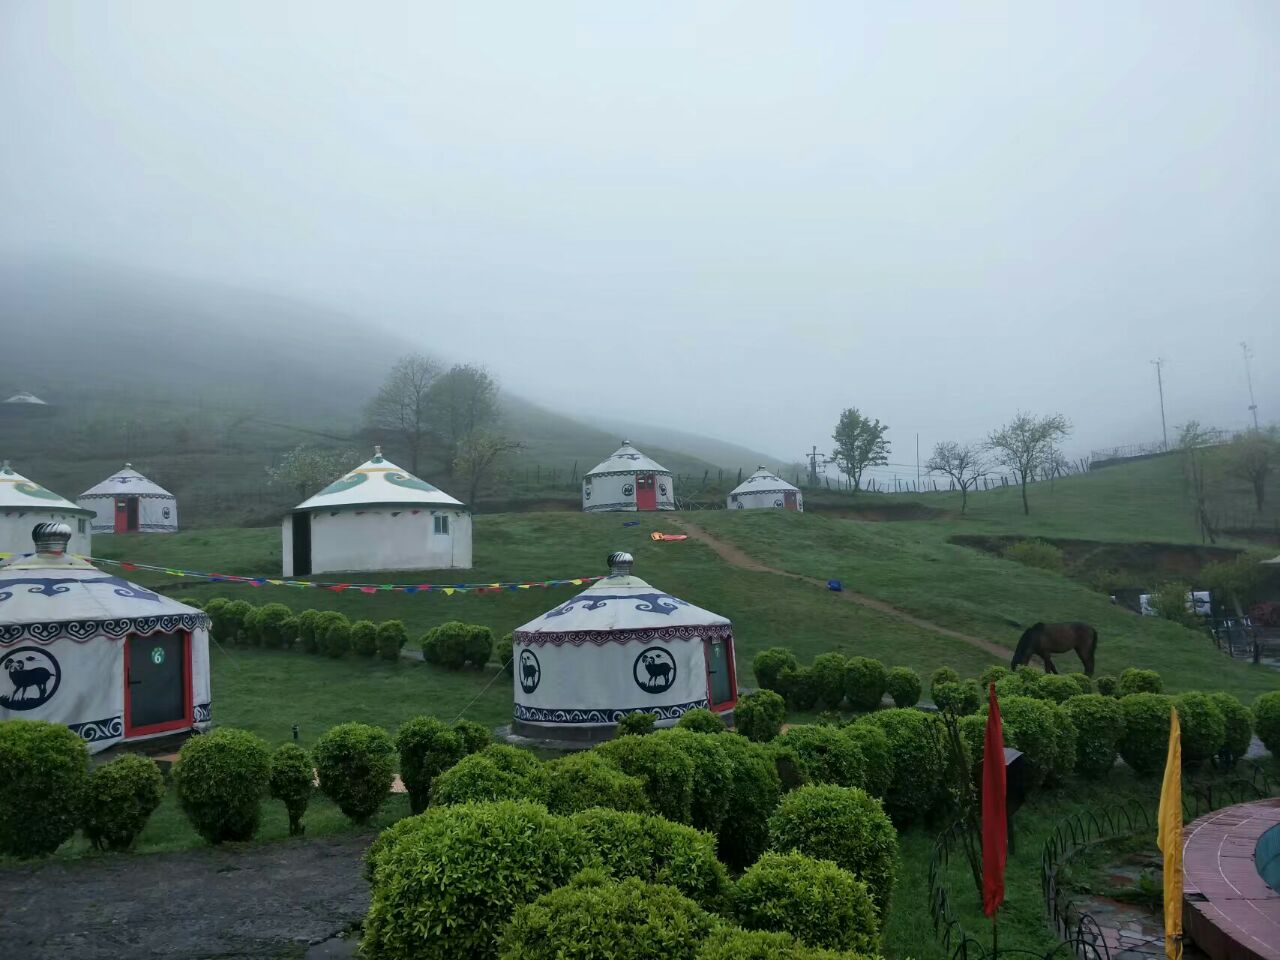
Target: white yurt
[[628, 480], [764, 489], [110, 659], [24, 503], [127, 502], [621, 646], [377, 517]]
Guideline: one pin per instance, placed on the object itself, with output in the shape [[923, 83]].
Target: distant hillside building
[[628, 480], [24, 404], [127, 502], [765, 490], [377, 517], [24, 503]]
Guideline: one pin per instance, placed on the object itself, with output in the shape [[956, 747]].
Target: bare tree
[[402, 405], [1193, 443], [963, 463], [307, 469], [463, 401], [860, 443], [1251, 457], [478, 453], [1027, 444]]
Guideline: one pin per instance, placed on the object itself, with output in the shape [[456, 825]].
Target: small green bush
[[845, 825], [903, 685], [355, 763], [918, 789], [754, 791], [1133, 680], [733, 943], [1045, 735], [497, 772], [1059, 687], [506, 654], [475, 736], [665, 768], [960, 697], [865, 682], [823, 754], [1098, 722], [814, 900], [759, 716], [1239, 726], [213, 605], [712, 775], [828, 677], [269, 625], [427, 747], [229, 622], [1144, 743], [1107, 685], [636, 724], [446, 882], [701, 720], [769, 664], [942, 675], [454, 645], [1266, 720], [364, 638], [1204, 729], [221, 778], [337, 638], [877, 757], [291, 783], [799, 687], [582, 780], [119, 800], [44, 768], [1169, 601], [392, 636], [1035, 553], [307, 622], [1023, 682], [993, 674], [1082, 681]]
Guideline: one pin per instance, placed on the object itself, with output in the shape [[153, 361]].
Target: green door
[[719, 671]]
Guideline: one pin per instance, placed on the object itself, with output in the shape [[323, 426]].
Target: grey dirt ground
[[270, 900]]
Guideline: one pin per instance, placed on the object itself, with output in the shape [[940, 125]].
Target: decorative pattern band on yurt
[[628, 480], [127, 502], [24, 503], [110, 659], [765, 490], [622, 646]]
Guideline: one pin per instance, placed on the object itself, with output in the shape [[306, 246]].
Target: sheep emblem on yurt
[[127, 502], [377, 517], [24, 503], [621, 646], [108, 658], [628, 480], [765, 490]]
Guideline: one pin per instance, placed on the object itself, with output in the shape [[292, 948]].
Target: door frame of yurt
[[791, 499], [722, 706], [301, 546], [129, 506], [187, 720], [649, 483]]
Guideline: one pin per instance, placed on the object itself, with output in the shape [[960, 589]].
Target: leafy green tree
[[463, 403], [1251, 458], [402, 406], [860, 443], [306, 469]]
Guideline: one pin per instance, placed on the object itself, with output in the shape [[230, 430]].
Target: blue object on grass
[[835, 585], [631, 523]]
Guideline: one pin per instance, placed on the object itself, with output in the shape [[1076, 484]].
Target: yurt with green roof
[[24, 503], [377, 517]]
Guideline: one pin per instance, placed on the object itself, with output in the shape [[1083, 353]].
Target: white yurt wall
[[24, 503], [128, 502]]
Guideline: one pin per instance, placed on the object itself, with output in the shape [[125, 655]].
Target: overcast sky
[[735, 218]]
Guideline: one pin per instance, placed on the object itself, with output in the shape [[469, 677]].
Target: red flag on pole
[[995, 830]]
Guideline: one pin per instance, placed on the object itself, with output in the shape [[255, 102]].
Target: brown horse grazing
[[1042, 639]]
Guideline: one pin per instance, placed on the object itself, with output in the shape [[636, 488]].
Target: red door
[[646, 492], [789, 499], [122, 515]]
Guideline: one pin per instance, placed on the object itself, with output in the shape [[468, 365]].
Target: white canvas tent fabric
[[157, 507], [765, 490], [621, 646], [24, 397], [24, 503], [65, 631], [625, 480]]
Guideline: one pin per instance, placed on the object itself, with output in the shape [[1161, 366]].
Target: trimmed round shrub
[[583, 780], [630, 920], [823, 754], [355, 763], [1204, 729], [941, 675], [1266, 720], [993, 674], [799, 687], [455, 644], [475, 736], [1133, 680], [701, 720], [733, 943], [759, 716], [918, 789], [960, 698], [665, 768], [307, 622], [291, 783], [1045, 735], [865, 682], [845, 825], [364, 638], [973, 738], [1098, 721], [814, 900], [903, 685], [877, 757], [1239, 726], [44, 772], [212, 605], [221, 778], [828, 676], [1107, 685], [1059, 687], [1023, 682], [505, 651], [119, 800], [636, 724], [712, 775], [446, 882], [497, 772], [229, 623], [337, 638], [320, 628], [754, 792], [392, 636], [655, 850], [427, 747], [1144, 744], [269, 625], [769, 664], [1082, 681]]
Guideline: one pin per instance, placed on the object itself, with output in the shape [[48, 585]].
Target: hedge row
[[833, 680]]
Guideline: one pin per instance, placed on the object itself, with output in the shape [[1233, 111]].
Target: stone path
[[260, 901]]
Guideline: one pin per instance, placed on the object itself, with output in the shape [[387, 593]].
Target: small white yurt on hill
[[127, 502], [24, 503], [628, 480], [108, 658], [377, 517], [619, 647], [765, 490]]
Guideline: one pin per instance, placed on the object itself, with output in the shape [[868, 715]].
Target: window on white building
[[441, 524]]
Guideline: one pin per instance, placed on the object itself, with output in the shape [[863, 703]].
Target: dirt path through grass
[[737, 557]]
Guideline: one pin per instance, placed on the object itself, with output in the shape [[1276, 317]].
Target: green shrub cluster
[[43, 767], [1035, 553], [993, 674], [702, 720], [427, 747], [816, 901], [583, 780], [665, 769], [273, 626], [769, 664], [291, 783], [1044, 733], [455, 645], [221, 778], [1203, 729], [498, 772], [759, 716], [1098, 723], [1059, 687], [364, 638], [1133, 680], [392, 637], [355, 764], [828, 672], [119, 800], [799, 687], [903, 685], [1266, 719], [877, 757], [822, 754], [941, 675], [918, 789], [960, 697], [1144, 741], [865, 683], [1107, 685], [636, 724], [1238, 726], [336, 642], [754, 792]]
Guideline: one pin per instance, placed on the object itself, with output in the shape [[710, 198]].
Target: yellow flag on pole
[[1169, 840]]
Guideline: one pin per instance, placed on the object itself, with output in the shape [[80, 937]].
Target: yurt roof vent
[[377, 451], [620, 564], [51, 539]]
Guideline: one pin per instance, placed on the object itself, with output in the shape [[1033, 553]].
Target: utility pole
[[1164, 429], [1248, 375], [815, 460], [917, 462]]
